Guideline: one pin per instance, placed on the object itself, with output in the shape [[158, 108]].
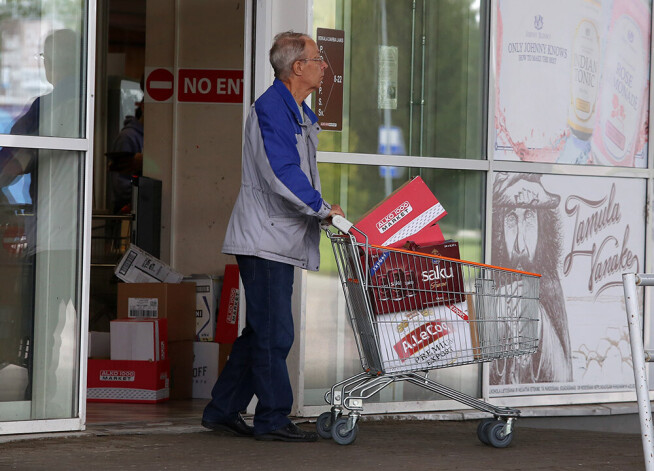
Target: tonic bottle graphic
[[585, 72]]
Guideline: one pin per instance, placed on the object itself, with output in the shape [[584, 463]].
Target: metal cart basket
[[414, 312]]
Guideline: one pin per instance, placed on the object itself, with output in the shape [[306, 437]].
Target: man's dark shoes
[[236, 427], [288, 433]]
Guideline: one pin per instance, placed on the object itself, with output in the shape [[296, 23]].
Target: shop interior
[[121, 60]]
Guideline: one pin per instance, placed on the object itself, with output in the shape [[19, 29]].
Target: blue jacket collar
[[291, 103]]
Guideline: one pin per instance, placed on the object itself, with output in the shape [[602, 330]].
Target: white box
[[99, 345], [207, 288], [140, 340], [427, 338], [138, 266], [205, 368]]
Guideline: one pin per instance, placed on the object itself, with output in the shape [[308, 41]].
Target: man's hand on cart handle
[[336, 214], [336, 210], [342, 224]]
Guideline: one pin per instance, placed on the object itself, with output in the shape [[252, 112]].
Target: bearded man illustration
[[527, 237]]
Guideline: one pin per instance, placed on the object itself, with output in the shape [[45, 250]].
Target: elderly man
[[274, 227]]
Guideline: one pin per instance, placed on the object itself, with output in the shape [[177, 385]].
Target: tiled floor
[[173, 410]]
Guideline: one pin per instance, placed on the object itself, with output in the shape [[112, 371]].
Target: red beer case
[[403, 282]]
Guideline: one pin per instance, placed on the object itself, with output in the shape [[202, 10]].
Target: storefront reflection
[[39, 220]]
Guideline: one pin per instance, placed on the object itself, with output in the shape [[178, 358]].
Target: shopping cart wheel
[[496, 436], [341, 434], [482, 430], [324, 425]]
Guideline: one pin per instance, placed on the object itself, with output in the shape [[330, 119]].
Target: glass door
[[412, 104], [45, 104]]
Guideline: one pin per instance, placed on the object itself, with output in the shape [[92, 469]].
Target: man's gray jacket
[[279, 207]]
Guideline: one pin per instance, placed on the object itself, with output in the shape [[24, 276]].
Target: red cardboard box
[[227, 321], [409, 210], [128, 381], [401, 281], [446, 248]]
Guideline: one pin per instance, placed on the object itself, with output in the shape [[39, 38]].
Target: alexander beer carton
[[429, 338]]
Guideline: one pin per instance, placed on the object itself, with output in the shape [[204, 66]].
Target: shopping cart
[[413, 312]]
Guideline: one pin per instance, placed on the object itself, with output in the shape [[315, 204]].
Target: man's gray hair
[[287, 48]]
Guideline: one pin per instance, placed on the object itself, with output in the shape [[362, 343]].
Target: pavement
[[394, 443]]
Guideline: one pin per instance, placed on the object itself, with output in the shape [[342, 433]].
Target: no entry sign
[[210, 86], [160, 85], [193, 85]]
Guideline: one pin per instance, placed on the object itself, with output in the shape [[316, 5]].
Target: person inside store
[[126, 159], [274, 227], [55, 113]]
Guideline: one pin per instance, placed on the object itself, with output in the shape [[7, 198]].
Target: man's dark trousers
[[257, 363]]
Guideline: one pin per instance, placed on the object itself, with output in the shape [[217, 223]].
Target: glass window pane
[[413, 79], [40, 226], [358, 188], [42, 68]]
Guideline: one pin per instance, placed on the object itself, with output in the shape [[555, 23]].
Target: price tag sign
[[329, 99]]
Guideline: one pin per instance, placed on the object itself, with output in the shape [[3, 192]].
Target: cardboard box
[[138, 266], [128, 381], [410, 209], [139, 339], [99, 345], [446, 248], [227, 322], [172, 301], [430, 338], [209, 359], [430, 235], [403, 282], [205, 368], [181, 369], [207, 288]]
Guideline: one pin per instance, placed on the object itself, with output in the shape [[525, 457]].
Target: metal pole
[[640, 373], [413, 58], [423, 41], [644, 279]]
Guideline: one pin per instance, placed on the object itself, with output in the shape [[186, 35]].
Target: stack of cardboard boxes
[[216, 327], [162, 344], [421, 312]]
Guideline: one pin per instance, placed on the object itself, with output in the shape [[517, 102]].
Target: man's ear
[[297, 67]]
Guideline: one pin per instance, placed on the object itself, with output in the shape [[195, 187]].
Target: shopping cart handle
[[342, 224]]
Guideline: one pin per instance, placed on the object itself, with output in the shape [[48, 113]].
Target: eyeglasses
[[314, 59]]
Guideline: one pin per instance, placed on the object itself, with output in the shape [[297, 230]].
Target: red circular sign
[[160, 84]]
